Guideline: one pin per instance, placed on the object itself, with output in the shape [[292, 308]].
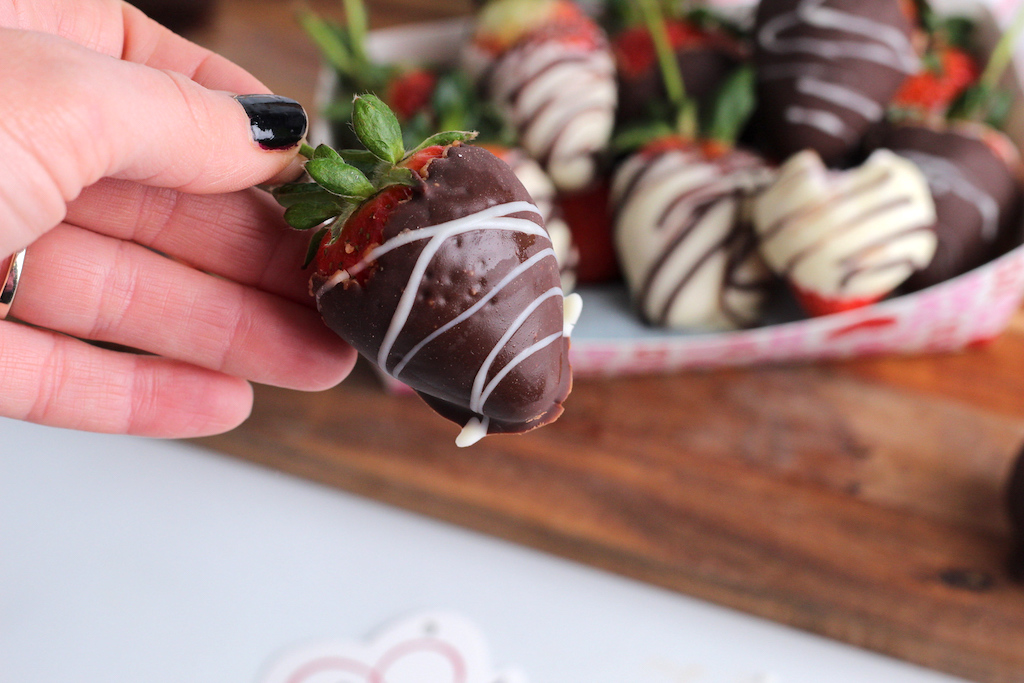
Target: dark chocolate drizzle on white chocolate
[[686, 247]]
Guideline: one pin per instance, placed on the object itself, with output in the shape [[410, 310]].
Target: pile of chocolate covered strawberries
[[850, 149]]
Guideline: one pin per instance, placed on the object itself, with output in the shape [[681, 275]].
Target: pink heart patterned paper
[[426, 648]]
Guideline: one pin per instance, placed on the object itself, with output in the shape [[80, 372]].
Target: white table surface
[[125, 559]]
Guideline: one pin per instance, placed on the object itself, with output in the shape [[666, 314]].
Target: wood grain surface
[[862, 501]]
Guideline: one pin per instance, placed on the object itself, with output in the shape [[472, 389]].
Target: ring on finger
[[10, 282]]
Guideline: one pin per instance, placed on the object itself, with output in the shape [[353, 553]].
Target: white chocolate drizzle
[[870, 41], [853, 234], [537, 183], [472, 432], [947, 178]]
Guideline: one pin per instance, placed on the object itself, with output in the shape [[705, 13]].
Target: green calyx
[[341, 180], [987, 101], [722, 120]]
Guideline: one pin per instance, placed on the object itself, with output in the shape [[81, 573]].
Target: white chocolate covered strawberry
[[845, 239], [683, 237]]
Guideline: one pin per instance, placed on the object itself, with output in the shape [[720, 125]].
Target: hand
[[119, 140]]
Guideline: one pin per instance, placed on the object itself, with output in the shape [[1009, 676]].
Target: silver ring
[[10, 281]]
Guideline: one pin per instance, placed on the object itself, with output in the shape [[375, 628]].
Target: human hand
[[119, 139]]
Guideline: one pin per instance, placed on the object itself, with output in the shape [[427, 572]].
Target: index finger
[[120, 30]]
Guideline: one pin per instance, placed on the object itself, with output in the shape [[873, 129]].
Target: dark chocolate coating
[[976, 196], [809, 101], [703, 70], [1014, 498], [463, 271]]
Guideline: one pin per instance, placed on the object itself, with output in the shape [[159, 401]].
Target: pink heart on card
[[423, 657], [434, 647]]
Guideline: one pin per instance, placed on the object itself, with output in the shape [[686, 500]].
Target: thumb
[[73, 116], [166, 130]]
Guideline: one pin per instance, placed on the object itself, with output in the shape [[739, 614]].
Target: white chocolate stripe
[[523, 355], [496, 211], [438, 234], [475, 399], [889, 47], [505, 281], [845, 97], [823, 120], [502, 222], [946, 178]]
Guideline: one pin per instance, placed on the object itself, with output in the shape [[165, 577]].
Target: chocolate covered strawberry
[[845, 239], [681, 225], [542, 191], [435, 265], [827, 70], [684, 238], [973, 171], [548, 66]]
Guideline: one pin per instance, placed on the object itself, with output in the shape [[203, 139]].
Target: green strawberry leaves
[[733, 106], [341, 180], [308, 215], [446, 138], [377, 128], [337, 177]]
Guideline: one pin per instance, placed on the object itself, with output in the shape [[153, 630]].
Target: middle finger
[[104, 289], [240, 236]]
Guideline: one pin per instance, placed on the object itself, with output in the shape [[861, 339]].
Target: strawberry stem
[[1003, 52], [685, 108], [986, 101], [358, 27]]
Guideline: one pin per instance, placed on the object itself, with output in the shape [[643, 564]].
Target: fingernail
[[276, 122]]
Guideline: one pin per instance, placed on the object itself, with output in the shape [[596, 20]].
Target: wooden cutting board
[[861, 501]]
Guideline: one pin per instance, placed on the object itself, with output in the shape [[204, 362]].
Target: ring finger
[[100, 288]]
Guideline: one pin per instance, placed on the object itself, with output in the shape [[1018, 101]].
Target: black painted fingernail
[[276, 122]]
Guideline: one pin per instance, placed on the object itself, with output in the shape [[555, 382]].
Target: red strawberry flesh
[[364, 230], [410, 93], [818, 305]]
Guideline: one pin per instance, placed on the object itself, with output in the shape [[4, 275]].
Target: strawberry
[[680, 207], [845, 239], [827, 71], [817, 305], [547, 66], [410, 92], [590, 224], [947, 72], [435, 265]]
